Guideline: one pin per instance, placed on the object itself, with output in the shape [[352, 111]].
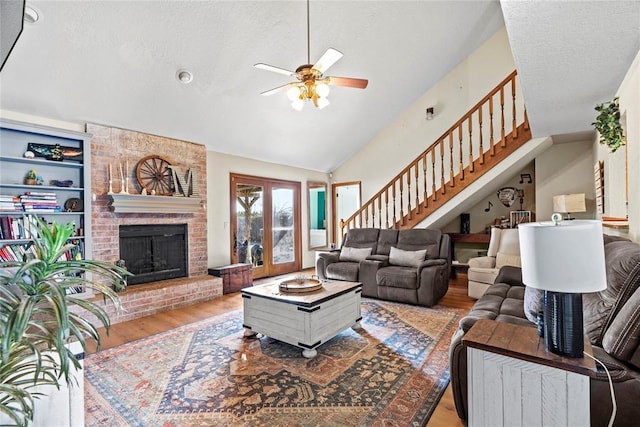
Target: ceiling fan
[[311, 84]]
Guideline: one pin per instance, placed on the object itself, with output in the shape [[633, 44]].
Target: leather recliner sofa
[[611, 321], [410, 266]]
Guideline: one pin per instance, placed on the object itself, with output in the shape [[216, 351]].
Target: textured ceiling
[[570, 56], [114, 63]]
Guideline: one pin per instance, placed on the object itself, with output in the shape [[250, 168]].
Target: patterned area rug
[[390, 372]]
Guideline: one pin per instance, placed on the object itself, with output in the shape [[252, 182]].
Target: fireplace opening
[[154, 252]]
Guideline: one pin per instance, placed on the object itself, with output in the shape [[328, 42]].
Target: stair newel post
[[471, 163], [417, 185], [434, 192], [452, 178], [443, 187], [503, 141], [481, 154], [460, 146], [491, 141], [513, 119], [424, 178]]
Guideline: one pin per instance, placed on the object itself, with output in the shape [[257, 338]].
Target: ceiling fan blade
[[279, 70], [277, 89], [329, 58], [348, 82]]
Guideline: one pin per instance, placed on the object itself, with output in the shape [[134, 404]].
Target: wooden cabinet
[[234, 277], [63, 193]]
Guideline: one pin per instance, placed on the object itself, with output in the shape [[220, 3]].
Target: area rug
[[390, 372]]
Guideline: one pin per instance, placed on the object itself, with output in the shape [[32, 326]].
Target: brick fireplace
[[112, 146]]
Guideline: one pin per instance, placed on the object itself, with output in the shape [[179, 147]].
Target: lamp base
[[563, 330]]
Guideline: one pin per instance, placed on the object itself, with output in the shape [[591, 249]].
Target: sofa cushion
[[406, 258], [420, 238], [501, 302], [347, 271], [386, 239], [503, 259], [362, 238], [398, 277], [622, 261], [348, 253]]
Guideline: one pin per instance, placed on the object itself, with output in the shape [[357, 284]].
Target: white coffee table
[[305, 320]]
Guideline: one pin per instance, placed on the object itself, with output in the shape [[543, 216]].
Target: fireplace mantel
[[137, 203]]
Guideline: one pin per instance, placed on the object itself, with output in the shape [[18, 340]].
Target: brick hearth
[[117, 146]]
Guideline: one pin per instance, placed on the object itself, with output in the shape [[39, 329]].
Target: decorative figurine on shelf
[[30, 177], [39, 180], [29, 155], [56, 153]]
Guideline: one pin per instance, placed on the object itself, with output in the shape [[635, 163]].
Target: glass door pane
[[249, 238], [283, 229]]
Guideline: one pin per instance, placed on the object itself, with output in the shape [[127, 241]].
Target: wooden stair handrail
[[432, 160]]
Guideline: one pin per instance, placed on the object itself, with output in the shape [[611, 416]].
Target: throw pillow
[[406, 258], [348, 253], [532, 303], [507, 259]]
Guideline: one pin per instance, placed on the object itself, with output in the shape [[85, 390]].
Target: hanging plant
[[608, 124]]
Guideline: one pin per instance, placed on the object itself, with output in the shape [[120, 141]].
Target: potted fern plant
[[608, 124], [37, 321]]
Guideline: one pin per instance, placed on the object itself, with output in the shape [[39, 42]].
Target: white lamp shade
[[293, 93], [322, 89], [297, 104], [568, 257]]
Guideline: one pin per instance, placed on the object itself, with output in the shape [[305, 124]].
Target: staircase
[[487, 134]]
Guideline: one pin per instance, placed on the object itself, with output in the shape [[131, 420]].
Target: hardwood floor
[[120, 333]]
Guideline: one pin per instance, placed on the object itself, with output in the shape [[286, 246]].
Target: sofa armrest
[[482, 262], [382, 259], [324, 259], [430, 263]]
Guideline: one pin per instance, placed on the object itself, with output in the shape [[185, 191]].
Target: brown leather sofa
[[410, 266], [611, 321]]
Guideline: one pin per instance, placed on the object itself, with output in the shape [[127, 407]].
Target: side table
[[513, 380], [235, 277]]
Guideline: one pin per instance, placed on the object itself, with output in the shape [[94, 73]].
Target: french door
[[265, 224]]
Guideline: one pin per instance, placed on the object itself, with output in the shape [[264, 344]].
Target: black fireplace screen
[[154, 252]]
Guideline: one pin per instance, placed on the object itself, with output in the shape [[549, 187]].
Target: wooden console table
[[465, 238], [513, 380]]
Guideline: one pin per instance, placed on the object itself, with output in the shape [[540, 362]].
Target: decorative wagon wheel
[[153, 173]]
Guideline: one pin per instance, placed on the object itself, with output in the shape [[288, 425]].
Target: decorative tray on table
[[300, 285]]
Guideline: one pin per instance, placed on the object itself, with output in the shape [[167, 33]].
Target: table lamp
[[568, 203], [565, 260]]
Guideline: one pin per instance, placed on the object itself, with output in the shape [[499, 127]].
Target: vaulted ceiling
[[115, 63]]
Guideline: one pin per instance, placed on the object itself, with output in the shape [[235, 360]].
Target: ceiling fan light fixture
[[294, 93], [297, 104], [322, 89], [321, 103]]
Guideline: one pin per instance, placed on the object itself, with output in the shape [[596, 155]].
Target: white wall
[[480, 219], [625, 161], [410, 133], [219, 166], [565, 168]]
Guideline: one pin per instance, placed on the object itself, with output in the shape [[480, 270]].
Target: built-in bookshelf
[[61, 192]]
